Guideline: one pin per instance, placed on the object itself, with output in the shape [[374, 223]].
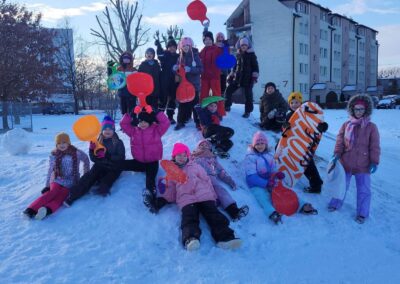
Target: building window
[[337, 38], [336, 55], [361, 60], [302, 7], [352, 43], [362, 46], [306, 88], [303, 68], [351, 74], [323, 34], [323, 52], [361, 76], [336, 72], [323, 70], [336, 22], [323, 16]]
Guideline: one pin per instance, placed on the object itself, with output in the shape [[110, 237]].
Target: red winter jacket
[[208, 56]]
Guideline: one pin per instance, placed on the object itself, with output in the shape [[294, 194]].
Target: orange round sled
[[88, 128]]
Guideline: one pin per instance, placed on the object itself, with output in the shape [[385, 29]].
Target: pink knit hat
[[185, 41], [259, 137], [244, 41], [180, 148], [219, 35]]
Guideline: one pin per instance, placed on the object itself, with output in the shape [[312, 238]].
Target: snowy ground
[[115, 240]]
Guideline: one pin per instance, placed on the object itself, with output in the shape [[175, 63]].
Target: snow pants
[[127, 104], [215, 86], [185, 111], [167, 98], [218, 223], [150, 169], [363, 185], [52, 199], [221, 135], [313, 176], [248, 94]]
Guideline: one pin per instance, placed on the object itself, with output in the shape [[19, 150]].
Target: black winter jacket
[[155, 71], [270, 102], [246, 65]]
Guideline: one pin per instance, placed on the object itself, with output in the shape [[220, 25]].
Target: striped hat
[[107, 122]]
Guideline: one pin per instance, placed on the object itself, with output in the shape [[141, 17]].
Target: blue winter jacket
[[259, 167]]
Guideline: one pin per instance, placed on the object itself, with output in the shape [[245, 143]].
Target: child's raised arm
[[126, 126], [163, 123]]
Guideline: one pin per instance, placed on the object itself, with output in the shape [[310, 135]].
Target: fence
[[15, 115]]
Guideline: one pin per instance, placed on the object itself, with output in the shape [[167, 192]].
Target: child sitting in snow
[[205, 158], [357, 147], [145, 134], [195, 197], [211, 128], [260, 177], [106, 169], [63, 173]]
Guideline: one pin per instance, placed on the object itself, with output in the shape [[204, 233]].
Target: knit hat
[[147, 117], [150, 50], [244, 41], [270, 84], [180, 148], [259, 137], [62, 137], [295, 96], [171, 42], [185, 41], [219, 34], [361, 102], [107, 122], [209, 35], [126, 54]]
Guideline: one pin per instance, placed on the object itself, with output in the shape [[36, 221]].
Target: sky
[[381, 15]]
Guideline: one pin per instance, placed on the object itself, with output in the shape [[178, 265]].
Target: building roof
[[318, 86], [311, 3], [348, 88], [367, 28]]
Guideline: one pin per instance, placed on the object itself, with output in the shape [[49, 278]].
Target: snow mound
[[17, 142]]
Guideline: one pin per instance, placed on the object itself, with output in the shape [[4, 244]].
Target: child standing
[[205, 158], [245, 75], [196, 197], [190, 60], [221, 42], [295, 100], [128, 101], [272, 108], [261, 172], [152, 67], [168, 59], [106, 169], [357, 147], [63, 173], [146, 147], [211, 128]]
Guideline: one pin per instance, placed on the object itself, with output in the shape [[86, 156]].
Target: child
[[189, 58], [128, 101], [196, 197], [62, 174], [295, 100], [168, 59], [210, 78], [357, 147], [245, 75], [221, 42], [146, 147], [152, 67], [105, 170], [205, 158], [211, 128], [272, 108], [260, 177]]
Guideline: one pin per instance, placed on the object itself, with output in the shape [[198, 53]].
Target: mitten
[[322, 127], [175, 68], [271, 114], [101, 154], [280, 175], [157, 43], [45, 189], [187, 69], [92, 145], [373, 168]]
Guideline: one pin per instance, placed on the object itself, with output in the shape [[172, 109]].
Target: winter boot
[[246, 115], [230, 244], [360, 219], [42, 213], [310, 189], [275, 217], [307, 209], [29, 212], [192, 244], [237, 213], [149, 200], [221, 153]]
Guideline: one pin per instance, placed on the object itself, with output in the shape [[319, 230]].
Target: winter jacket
[[206, 117], [115, 152], [193, 76], [167, 60], [198, 187], [270, 102], [246, 66], [146, 145], [123, 92], [208, 56], [258, 168], [67, 179], [155, 71]]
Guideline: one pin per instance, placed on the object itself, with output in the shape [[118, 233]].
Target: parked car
[[67, 109], [386, 103], [52, 110], [375, 100]]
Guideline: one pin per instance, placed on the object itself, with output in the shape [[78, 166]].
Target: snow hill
[[116, 240]]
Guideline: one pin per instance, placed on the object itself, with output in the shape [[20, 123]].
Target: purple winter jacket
[[198, 187], [365, 151], [146, 145]]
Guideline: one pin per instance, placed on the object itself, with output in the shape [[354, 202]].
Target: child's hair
[[114, 138]]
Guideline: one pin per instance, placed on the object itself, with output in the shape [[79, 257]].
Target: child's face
[[62, 146], [107, 133], [181, 158], [212, 107], [186, 48], [204, 146], [359, 111], [270, 90], [220, 38], [208, 41], [143, 124], [126, 60], [149, 56], [260, 147], [294, 104], [244, 47], [172, 49]]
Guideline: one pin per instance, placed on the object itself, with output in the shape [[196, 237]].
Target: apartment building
[[302, 46]]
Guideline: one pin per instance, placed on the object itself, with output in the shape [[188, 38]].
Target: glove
[[175, 68], [271, 114], [254, 80], [373, 168], [280, 175], [322, 127], [92, 146], [157, 43], [45, 189], [101, 154], [270, 185], [187, 69], [286, 125]]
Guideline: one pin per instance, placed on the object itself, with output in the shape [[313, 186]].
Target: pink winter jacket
[[198, 188], [146, 145], [365, 151]]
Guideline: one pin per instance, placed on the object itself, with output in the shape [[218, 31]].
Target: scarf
[[59, 155], [349, 130]]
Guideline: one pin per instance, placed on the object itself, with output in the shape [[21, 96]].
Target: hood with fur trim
[[363, 97]]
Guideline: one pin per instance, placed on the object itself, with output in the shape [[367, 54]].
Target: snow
[[116, 240], [17, 142]]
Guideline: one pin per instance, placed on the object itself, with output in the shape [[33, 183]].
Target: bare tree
[[121, 29], [391, 72], [173, 31], [27, 65]]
